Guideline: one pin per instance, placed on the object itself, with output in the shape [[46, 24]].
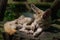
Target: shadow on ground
[[51, 33]]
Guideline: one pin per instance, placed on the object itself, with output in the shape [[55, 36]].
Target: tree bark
[[3, 4], [54, 8]]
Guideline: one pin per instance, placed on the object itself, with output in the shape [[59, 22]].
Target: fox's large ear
[[36, 9], [47, 13]]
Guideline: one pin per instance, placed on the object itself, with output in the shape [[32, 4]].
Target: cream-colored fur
[[24, 20], [9, 27]]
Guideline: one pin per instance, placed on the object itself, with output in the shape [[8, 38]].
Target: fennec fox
[[41, 21]]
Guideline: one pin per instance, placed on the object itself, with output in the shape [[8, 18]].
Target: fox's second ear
[[47, 13], [36, 9]]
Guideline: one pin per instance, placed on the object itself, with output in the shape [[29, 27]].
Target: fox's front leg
[[38, 31]]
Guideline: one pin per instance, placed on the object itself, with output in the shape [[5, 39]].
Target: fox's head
[[41, 16], [40, 13]]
